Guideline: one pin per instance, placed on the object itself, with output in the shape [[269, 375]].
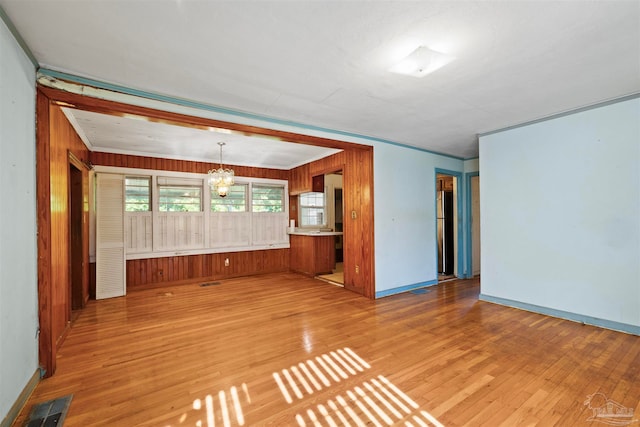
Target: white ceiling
[[325, 63], [138, 136]]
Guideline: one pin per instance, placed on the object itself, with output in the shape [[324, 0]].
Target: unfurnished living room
[[319, 213]]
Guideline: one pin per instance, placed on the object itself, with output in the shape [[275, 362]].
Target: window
[[312, 209], [179, 195], [137, 194], [267, 198], [235, 201]]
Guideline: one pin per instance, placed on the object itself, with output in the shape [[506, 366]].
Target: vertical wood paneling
[[358, 232], [357, 168], [312, 255], [55, 139], [187, 269], [139, 162], [46, 345], [300, 179], [63, 139]]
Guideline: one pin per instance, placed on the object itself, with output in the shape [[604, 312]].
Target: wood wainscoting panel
[[312, 255], [167, 271]]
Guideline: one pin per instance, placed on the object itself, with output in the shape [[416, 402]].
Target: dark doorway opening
[[76, 256], [338, 222], [446, 221]]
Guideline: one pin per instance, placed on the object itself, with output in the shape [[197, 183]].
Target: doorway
[[338, 215], [335, 222], [448, 233], [76, 255]]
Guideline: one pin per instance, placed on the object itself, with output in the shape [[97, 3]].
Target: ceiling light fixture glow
[[221, 179], [421, 62]]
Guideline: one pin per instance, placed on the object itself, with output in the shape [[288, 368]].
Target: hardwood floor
[[215, 356]]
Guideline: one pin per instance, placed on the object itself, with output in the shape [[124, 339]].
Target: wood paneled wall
[[55, 139], [140, 162], [357, 192], [142, 273]]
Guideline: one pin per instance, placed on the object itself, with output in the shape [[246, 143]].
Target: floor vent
[[49, 413], [420, 291], [203, 285]]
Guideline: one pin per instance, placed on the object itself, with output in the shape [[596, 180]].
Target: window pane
[[312, 199], [180, 199], [267, 198], [137, 194], [312, 216], [311, 209], [235, 201]]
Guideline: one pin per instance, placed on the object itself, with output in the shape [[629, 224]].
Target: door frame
[[469, 232], [459, 250]]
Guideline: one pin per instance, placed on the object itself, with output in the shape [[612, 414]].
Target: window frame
[[283, 199], [213, 196], [149, 193], [302, 207], [163, 182]]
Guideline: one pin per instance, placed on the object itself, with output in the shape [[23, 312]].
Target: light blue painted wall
[[471, 165], [404, 215], [18, 276], [560, 213]]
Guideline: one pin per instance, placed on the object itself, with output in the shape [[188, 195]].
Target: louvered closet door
[[110, 252]]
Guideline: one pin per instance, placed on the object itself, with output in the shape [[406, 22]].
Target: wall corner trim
[[564, 113], [14, 31], [15, 409], [401, 289], [574, 317]]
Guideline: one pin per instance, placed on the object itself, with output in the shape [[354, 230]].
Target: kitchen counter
[[315, 233]]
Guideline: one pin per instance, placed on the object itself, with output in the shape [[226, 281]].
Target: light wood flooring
[[336, 277], [284, 350]]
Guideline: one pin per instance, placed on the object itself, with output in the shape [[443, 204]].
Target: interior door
[[110, 250]]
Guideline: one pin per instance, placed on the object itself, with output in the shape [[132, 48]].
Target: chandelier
[[221, 179]]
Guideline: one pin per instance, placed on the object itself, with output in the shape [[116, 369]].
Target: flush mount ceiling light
[[421, 62], [221, 179]]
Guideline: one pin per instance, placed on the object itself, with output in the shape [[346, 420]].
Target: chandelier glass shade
[[221, 179]]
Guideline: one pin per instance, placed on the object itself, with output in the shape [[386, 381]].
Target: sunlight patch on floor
[[373, 401], [376, 402], [337, 365], [229, 409]]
